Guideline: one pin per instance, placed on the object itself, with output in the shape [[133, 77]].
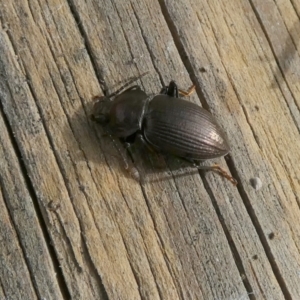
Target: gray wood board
[[74, 224]]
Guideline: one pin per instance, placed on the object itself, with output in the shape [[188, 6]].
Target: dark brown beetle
[[166, 123]]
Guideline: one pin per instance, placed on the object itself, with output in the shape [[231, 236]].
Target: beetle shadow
[[87, 142], [287, 59], [155, 166]]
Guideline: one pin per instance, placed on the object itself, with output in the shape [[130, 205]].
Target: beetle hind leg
[[172, 90], [216, 168], [189, 92]]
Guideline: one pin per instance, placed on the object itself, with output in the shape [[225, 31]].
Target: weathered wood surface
[[74, 225]]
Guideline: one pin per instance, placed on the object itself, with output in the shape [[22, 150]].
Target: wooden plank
[[23, 241], [262, 140], [173, 236], [35, 145], [15, 278]]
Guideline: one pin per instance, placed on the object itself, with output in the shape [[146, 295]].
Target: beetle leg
[[223, 173], [173, 91], [219, 170], [142, 139], [170, 90], [133, 172], [189, 92]]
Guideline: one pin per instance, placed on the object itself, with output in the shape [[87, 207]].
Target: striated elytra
[[166, 123]]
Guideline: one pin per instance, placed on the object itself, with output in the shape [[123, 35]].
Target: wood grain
[[75, 225]]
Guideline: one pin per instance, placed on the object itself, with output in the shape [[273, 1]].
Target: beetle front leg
[[132, 171]]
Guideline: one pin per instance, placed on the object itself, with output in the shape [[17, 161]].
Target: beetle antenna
[[129, 82]]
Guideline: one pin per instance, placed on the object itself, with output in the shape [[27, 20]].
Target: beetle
[[165, 122]]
